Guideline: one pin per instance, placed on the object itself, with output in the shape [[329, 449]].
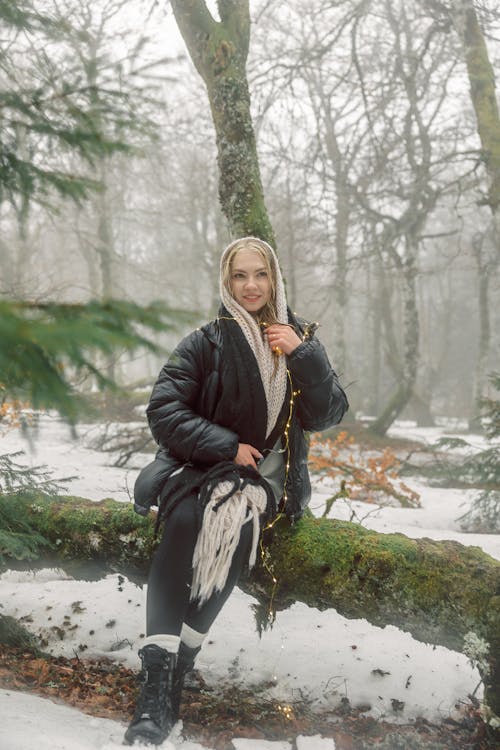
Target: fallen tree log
[[441, 592]]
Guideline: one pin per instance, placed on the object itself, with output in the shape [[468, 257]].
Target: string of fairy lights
[[265, 558], [267, 563]]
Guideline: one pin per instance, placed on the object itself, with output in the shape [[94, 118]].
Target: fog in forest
[[372, 171]]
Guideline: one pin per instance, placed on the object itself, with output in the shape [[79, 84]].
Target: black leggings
[[170, 577]]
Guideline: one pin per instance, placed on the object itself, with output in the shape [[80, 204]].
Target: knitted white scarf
[[221, 528]]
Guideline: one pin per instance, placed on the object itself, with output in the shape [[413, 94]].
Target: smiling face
[[250, 280]]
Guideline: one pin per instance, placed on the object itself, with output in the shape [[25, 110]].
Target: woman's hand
[[247, 455], [282, 337]]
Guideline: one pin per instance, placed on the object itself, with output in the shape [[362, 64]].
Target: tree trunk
[[437, 591], [105, 250], [219, 51], [21, 277], [291, 280], [483, 95], [480, 373], [404, 388], [342, 224], [421, 410], [104, 245], [87, 250], [376, 296], [340, 290]]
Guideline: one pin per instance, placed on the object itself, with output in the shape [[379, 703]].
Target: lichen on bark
[[219, 50], [481, 76]]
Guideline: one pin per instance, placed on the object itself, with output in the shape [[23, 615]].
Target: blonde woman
[[229, 412]]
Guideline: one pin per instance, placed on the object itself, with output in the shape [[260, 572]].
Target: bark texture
[[481, 77], [219, 52], [438, 591], [483, 95], [407, 365]]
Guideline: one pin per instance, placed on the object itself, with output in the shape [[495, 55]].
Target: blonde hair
[[268, 313]]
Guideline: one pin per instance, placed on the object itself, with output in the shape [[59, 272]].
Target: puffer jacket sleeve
[[172, 414], [321, 401]]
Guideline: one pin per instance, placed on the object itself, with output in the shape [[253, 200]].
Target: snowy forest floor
[[358, 687], [102, 688]]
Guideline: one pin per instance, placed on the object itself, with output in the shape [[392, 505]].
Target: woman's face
[[250, 282]]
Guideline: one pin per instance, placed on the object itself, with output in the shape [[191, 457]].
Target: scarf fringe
[[225, 513]]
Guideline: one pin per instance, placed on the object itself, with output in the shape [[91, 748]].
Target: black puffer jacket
[[183, 402]]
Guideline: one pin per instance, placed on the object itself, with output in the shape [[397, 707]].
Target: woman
[[228, 411]]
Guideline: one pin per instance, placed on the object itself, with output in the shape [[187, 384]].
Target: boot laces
[[151, 702]]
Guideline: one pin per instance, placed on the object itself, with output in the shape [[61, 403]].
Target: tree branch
[[197, 27]]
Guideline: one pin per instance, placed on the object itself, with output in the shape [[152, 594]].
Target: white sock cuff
[[192, 638], [168, 642]]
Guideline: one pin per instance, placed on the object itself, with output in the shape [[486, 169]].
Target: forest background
[[377, 131], [376, 181]]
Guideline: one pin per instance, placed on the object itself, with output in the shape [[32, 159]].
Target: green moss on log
[[436, 590], [80, 529], [439, 591]]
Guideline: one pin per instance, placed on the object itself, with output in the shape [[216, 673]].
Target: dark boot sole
[[145, 735]]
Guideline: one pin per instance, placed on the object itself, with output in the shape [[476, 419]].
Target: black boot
[[154, 717], [185, 663]]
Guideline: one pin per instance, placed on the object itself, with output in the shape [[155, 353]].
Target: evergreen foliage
[[18, 478], [23, 16], [18, 540], [490, 409], [14, 634], [48, 110], [61, 115], [484, 515], [21, 485], [53, 107], [43, 346], [471, 469]]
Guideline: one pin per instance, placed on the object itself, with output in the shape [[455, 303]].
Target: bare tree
[[401, 188], [487, 257], [463, 17]]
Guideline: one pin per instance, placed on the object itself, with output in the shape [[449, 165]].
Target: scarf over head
[[272, 371]]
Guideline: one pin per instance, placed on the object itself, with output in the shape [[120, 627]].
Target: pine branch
[[45, 346]]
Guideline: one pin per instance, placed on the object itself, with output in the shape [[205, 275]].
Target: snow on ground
[[27, 722], [310, 655], [350, 658], [50, 443], [451, 428]]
